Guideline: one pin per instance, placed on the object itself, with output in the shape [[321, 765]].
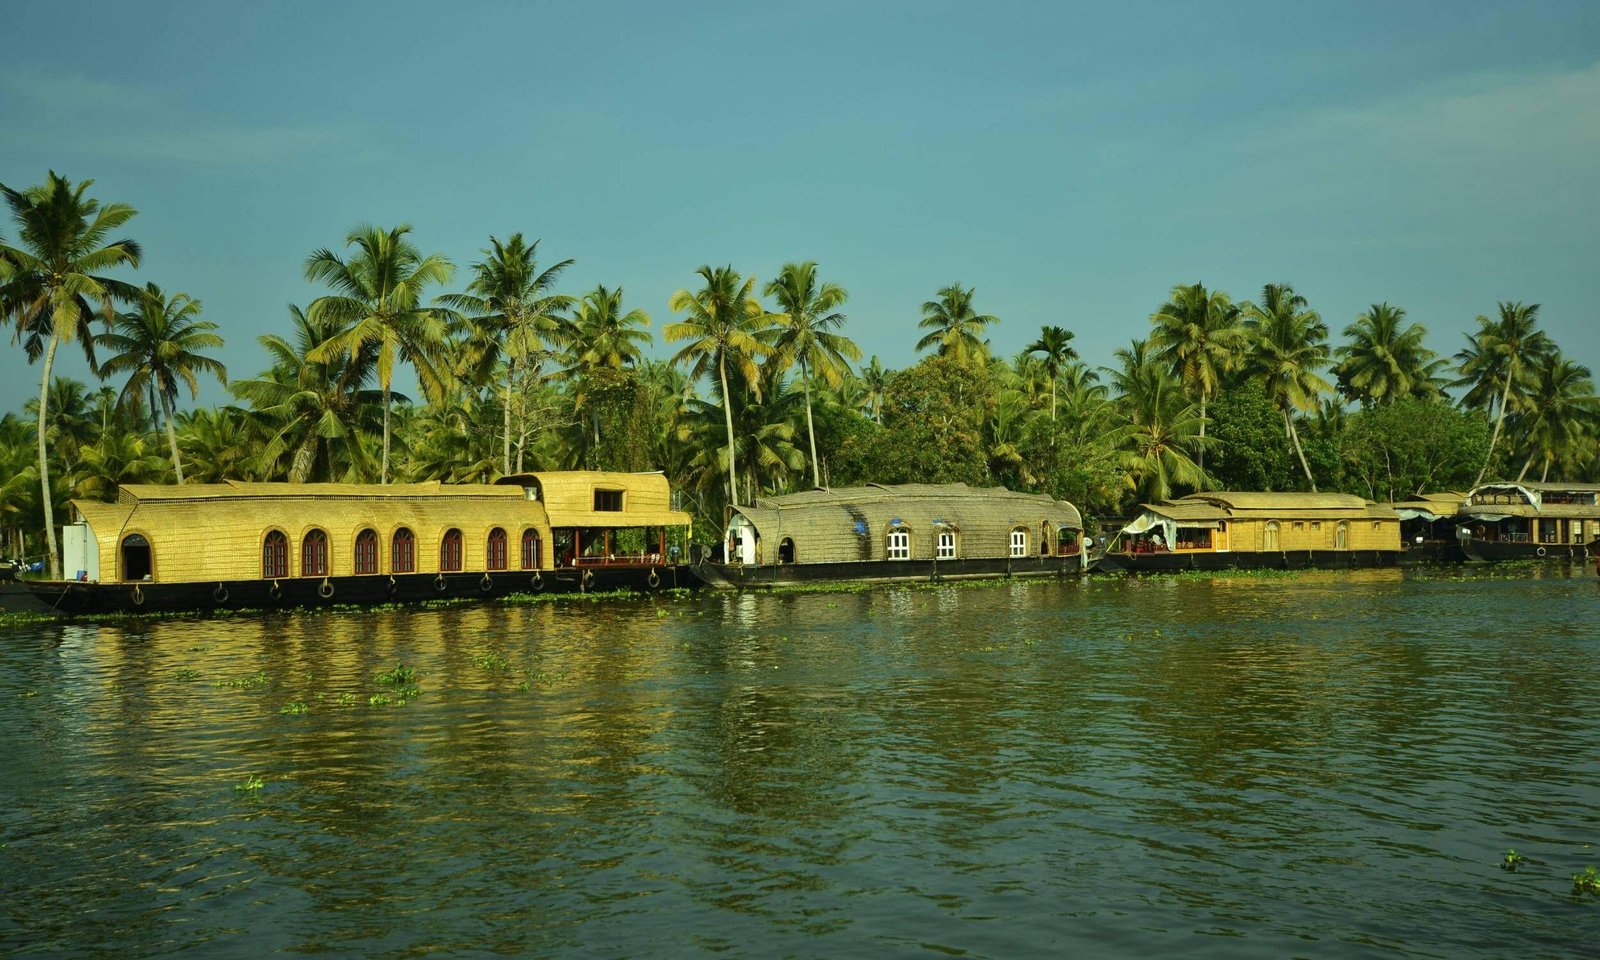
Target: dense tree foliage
[[766, 392]]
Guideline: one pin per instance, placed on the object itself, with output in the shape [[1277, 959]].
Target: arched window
[[530, 549], [450, 551], [275, 556], [366, 554], [1269, 536], [1019, 542], [1066, 541], [136, 557], [314, 554], [898, 544], [403, 552], [1341, 536], [786, 550], [495, 554]]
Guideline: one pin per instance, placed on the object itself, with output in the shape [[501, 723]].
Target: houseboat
[[261, 545], [1215, 531], [1428, 528], [1529, 521], [899, 532]]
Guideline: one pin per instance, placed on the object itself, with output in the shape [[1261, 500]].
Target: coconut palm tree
[[1288, 347], [1197, 332], [1159, 430], [157, 344], [222, 442], [810, 317], [1384, 361], [513, 318], [875, 378], [377, 308], [54, 284], [117, 458], [1504, 353], [314, 412], [1562, 413], [957, 329], [1055, 348], [724, 328]]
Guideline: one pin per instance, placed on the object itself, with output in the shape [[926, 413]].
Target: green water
[[1327, 765]]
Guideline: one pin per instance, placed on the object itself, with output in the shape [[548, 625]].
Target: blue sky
[[1071, 163]]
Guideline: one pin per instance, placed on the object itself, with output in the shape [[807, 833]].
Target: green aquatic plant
[[400, 676], [1512, 860], [187, 673], [252, 785], [492, 662], [297, 707], [345, 700], [257, 679], [1586, 882]]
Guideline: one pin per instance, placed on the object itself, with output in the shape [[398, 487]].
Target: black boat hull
[[733, 576], [1500, 551], [76, 599], [1163, 562]]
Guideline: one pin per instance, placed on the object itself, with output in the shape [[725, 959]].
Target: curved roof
[[835, 521], [1240, 500]]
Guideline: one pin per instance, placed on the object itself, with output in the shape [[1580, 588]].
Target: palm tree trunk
[[727, 417], [1526, 466], [505, 433], [45, 499], [1500, 418], [811, 431], [1202, 463], [172, 438], [383, 473], [1052, 401], [155, 416], [1294, 435]]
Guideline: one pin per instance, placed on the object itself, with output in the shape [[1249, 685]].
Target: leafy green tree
[[222, 444], [377, 309], [603, 342], [875, 378], [1251, 452], [1161, 431], [810, 316], [1504, 352], [1385, 361], [54, 284], [1198, 333], [513, 320], [314, 412], [116, 459], [158, 344], [1288, 347], [1410, 446], [933, 425], [956, 327], [723, 327], [1054, 346], [1562, 413]]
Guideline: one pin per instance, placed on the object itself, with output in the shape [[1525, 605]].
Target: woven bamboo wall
[[646, 499], [219, 536]]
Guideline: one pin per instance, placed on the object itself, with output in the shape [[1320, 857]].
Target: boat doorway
[[786, 550], [136, 561]]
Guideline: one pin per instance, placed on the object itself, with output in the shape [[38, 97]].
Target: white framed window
[[947, 545], [899, 545], [1019, 543]]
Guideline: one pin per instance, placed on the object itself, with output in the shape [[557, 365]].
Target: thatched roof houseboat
[[1210, 531], [884, 532], [237, 544], [1530, 521]]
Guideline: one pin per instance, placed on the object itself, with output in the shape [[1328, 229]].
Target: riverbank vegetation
[[764, 393]]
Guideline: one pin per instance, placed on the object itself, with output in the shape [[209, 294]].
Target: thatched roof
[[569, 495], [850, 522], [240, 490], [1549, 487], [1279, 502], [1235, 505]]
